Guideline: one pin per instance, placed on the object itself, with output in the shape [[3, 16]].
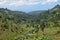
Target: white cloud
[[16, 3], [2, 2], [48, 1], [25, 2]]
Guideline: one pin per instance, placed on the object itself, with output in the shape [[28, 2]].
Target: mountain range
[[13, 24]]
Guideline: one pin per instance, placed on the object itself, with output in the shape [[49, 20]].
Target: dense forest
[[35, 25]]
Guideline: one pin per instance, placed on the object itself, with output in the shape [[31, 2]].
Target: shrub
[[43, 37]]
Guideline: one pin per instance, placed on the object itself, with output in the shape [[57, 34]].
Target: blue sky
[[28, 5]]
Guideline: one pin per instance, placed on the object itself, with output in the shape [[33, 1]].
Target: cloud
[[48, 1], [17, 3], [24, 2], [2, 2]]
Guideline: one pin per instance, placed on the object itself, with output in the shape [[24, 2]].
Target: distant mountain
[[16, 15], [36, 12], [47, 15], [56, 8], [22, 16]]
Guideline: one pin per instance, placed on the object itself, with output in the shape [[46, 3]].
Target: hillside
[[48, 14], [18, 25]]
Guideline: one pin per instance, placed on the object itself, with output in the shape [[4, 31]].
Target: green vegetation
[[37, 25], [43, 37]]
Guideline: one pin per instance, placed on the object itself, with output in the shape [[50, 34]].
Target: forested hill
[[14, 24], [52, 14], [17, 16], [35, 16], [31, 15], [55, 8]]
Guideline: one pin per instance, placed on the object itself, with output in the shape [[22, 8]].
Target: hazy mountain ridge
[[56, 8], [22, 16]]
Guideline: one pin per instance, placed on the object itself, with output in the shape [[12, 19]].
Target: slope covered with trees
[[36, 25]]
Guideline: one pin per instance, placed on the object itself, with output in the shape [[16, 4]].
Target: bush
[[43, 37], [4, 26]]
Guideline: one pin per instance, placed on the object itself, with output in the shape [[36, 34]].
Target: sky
[[28, 5]]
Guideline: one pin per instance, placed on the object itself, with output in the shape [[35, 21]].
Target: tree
[[42, 26]]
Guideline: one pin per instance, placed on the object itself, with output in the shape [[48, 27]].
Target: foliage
[[15, 24], [43, 37]]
